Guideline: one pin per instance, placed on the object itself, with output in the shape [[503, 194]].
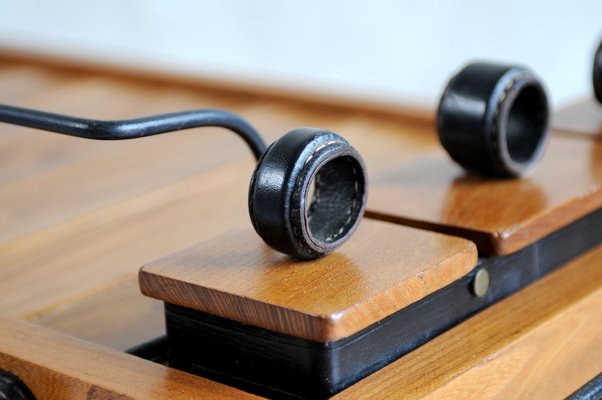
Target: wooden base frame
[[283, 366]]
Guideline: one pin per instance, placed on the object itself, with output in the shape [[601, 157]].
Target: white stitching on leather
[[496, 115], [351, 209], [298, 186], [348, 222]]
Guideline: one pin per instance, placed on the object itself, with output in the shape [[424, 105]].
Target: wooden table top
[[80, 217]]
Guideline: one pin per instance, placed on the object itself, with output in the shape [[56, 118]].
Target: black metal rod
[[134, 128]]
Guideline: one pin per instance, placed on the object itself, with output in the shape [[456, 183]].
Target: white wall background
[[397, 50]]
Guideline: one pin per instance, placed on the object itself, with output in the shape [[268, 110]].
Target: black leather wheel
[[597, 74], [284, 211], [493, 119]]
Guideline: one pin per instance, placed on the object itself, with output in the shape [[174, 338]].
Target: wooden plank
[[380, 270], [582, 118], [87, 181], [62, 263], [500, 216], [118, 317], [101, 179], [27, 152], [542, 342], [57, 367]]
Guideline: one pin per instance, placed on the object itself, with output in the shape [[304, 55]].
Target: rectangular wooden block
[[382, 269], [500, 216]]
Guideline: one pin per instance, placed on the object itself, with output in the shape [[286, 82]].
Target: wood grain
[[44, 270], [500, 216], [582, 118], [56, 194], [58, 367], [380, 270], [117, 317], [542, 342]]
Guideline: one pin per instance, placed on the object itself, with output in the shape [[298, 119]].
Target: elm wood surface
[[117, 317], [55, 293], [583, 117], [380, 270], [543, 342], [58, 367], [500, 216], [46, 271]]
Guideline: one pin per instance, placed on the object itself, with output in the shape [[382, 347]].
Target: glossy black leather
[[281, 184], [597, 74], [13, 388], [493, 119]]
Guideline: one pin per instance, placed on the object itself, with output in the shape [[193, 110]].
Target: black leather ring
[[493, 119], [597, 74], [281, 186]]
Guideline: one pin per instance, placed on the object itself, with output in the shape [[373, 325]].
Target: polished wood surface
[[381, 269], [583, 118], [542, 342], [58, 367], [117, 317], [70, 250], [500, 216]]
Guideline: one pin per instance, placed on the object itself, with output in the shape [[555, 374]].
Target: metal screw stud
[[480, 283]]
